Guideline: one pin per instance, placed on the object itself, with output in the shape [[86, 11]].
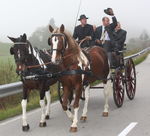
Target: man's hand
[[88, 38], [111, 12], [98, 41]]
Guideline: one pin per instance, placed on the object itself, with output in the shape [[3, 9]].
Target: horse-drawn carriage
[[72, 67]]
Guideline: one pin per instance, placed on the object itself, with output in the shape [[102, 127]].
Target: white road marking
[[30, 113], [128, 129]]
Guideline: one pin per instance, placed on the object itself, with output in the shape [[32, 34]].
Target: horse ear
[[51, 29], [24, 37], [12, 39], [12, 51], [62, 28]]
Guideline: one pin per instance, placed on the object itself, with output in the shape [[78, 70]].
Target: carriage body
[[124, 79]]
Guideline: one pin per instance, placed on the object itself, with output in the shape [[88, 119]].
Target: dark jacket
[[109, 29], [81, 32], [119, 38]]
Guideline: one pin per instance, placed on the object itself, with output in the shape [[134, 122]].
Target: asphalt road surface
[[132, 119]]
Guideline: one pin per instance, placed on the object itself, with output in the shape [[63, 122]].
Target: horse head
[[21, 50], [57, 41]]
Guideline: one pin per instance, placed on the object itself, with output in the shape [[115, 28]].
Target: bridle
[[64, 42]]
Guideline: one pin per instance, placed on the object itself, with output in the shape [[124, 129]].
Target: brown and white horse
[[31, 61], [67, 54]]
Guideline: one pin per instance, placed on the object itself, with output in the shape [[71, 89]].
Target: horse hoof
[[47, 117], [42, 124], [83, 118], [25, 128], [105, 114], [73, 129]]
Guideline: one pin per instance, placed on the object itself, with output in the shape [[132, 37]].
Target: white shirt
[[104, 35]]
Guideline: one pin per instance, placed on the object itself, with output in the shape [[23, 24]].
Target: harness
[[64, 42]]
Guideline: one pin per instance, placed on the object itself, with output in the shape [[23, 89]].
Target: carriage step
[[96, 87]]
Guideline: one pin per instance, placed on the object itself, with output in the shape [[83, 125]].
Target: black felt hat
[[107, 11], [82, 17]]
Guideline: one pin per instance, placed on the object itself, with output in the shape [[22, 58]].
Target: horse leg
[[25, 125], [84, 113], [65, 103], [107, 92], [78, 93], [48, 98], [42, 104]]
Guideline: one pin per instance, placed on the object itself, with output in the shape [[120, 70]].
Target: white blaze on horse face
[[30, 50], [18, 54], [55, 46], [36, 55]]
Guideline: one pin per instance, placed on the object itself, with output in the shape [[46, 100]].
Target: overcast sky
[[24, 16]]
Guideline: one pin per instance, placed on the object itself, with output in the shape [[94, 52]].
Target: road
[[134, 115]]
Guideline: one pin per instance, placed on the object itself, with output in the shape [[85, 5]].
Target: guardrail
[[15, 88]]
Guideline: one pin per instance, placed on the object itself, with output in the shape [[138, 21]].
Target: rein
[[36, 66]]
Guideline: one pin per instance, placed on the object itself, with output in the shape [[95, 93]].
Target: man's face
[[118, 27], [106, 22], [83, 21]]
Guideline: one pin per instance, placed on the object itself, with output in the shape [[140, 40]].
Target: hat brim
[[83, 18]]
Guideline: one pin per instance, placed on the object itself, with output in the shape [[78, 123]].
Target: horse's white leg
[[75, 121], [25, 126], [85, 108], [48, 99], [42, 121], [107, 92], [69, 114]]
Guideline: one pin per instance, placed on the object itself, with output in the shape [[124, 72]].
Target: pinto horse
[[31, 61], [68, 55]]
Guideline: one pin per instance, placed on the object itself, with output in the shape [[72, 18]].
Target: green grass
[[13, 106], [7, 70], [4, 49]]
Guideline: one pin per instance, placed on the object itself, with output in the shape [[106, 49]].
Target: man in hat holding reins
[[84, 31], [104, 35]]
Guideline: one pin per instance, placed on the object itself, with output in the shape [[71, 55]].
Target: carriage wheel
[[60, 92], [118, 88], [130, 79]]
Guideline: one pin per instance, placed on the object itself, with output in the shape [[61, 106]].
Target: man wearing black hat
[[104, 34], [84, 30]]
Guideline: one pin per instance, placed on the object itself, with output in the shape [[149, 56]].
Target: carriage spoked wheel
[[60, 92], [130, 79], [118, 87]]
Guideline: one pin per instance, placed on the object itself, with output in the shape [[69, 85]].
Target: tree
[[144, 36], [40, 37]]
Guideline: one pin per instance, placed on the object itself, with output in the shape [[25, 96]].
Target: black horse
[[31, 61]]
